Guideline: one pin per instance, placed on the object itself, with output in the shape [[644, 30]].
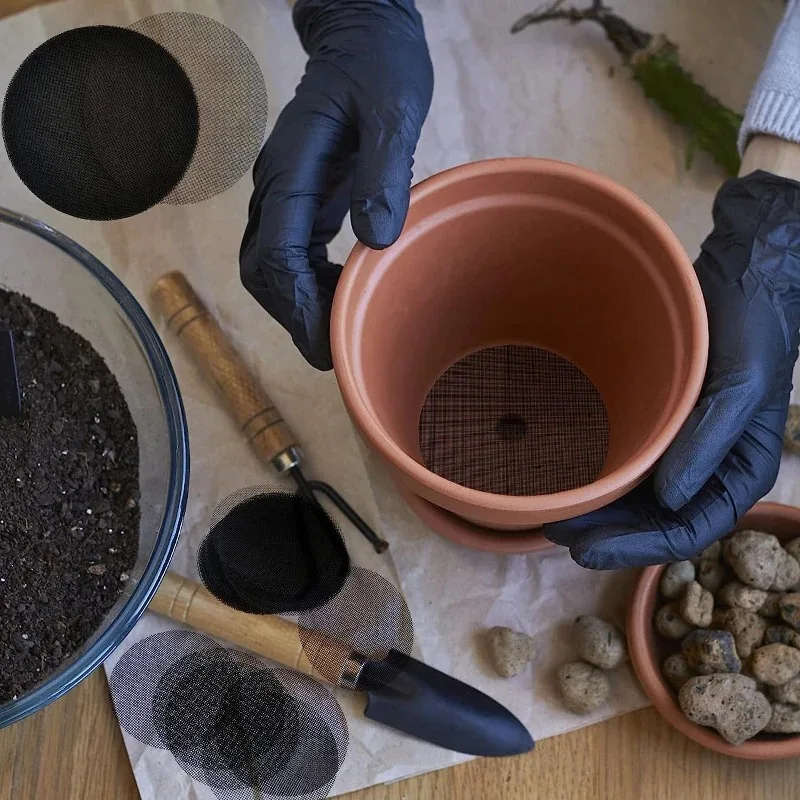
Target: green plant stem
[[654, 64]]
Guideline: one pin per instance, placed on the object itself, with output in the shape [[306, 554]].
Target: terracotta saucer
[[465, 533]]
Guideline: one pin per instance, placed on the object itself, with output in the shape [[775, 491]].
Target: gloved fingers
[[298, 177], [383, 174], [330, 216], [635, 532], [727, 406], [639, 502]]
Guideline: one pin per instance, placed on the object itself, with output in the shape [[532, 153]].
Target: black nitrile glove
[[726, 457], [345, 141]]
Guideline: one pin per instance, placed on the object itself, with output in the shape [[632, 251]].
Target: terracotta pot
[[647, 651], [522, 251]]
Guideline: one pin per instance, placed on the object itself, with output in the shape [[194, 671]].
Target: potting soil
[[69, 497]]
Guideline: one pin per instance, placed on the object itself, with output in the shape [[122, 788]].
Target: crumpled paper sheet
[[548, 92]]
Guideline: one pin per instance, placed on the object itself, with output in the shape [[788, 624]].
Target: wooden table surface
[[73, 750]]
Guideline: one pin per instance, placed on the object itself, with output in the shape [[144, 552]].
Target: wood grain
[[73, 750], [189, 320]]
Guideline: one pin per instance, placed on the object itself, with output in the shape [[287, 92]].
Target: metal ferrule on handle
[[269, 636]]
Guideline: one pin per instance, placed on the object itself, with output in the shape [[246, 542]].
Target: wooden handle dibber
[[256, 415], [273, 637]]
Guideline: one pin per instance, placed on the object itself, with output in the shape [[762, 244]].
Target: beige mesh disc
[[514, 420]]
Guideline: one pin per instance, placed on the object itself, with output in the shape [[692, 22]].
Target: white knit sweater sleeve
[[774, 106]]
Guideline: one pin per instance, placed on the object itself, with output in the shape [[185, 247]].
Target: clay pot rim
[[347, 296], [648, 672]]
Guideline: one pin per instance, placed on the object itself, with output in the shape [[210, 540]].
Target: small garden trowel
[[10, 403], [402, 692]]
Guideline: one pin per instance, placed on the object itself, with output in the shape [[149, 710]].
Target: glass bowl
[[59, 275]]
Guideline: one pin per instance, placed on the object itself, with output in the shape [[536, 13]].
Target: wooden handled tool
[[272, 637], [256, 415]]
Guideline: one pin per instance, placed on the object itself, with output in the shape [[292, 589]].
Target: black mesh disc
[[369, 615], [515, 420], [229, 721], [272, 552], [231, 95], [100, 122]]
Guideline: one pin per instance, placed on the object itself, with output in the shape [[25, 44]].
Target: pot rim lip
[[371, 428]]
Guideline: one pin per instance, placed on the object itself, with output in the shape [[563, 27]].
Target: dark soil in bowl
[[69, 497]]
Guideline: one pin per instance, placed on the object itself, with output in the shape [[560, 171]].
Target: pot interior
[[550, 261]]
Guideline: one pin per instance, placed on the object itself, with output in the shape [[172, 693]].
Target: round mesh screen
[[369, 615], [271, 552], [100, 122], [231, 95], [514, 420], [229, 721]]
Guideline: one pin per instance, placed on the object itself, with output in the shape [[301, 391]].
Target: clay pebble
[[730, 704], [711, 575], [754, 557], [789, 606], [793, 548], [782, 634], [510, 650], [708, 652], [785, 719], [788, 574], [676, 670], [736, 594], [583, 687], [675, 578], [697, 605], [718, 617], [670, 624], [791, 431], [771, 607], [788, 692], [776, 664], [712, 553], [599, 643], [747, 628]]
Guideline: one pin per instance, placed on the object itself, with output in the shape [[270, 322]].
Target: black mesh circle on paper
[[369, 616], [271, 552], [231, 95], [100, 122], [514, 420], [230, 722]]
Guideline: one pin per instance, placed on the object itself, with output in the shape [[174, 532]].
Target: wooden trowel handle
[[272, 637], [189, 319]]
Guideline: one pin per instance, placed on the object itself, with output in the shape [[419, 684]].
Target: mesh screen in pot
[[229, 721], [514, 420]]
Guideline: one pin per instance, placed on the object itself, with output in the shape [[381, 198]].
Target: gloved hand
[[727, 455], [345, 141]]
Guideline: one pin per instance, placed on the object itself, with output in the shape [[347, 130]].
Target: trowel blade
[[427, 704]]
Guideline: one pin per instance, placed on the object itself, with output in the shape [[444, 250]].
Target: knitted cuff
[[774, 106]]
